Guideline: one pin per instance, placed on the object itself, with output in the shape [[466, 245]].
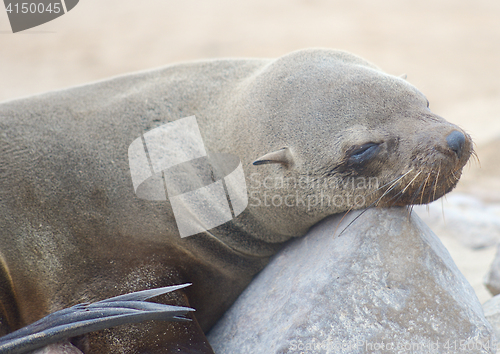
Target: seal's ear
[[403, 76], [282, 156]]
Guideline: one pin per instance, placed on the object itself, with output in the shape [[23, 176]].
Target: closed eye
[[363, 153]]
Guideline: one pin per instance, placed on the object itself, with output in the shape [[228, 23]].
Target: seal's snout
[[456, 142]]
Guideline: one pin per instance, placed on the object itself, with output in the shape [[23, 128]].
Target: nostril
[[456, 141]]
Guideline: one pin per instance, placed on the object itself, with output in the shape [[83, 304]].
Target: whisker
[[393, 182], [454, 176], [417, 193], [476, 158], [411, 210], [436, 184], [411, 181], [392, 186], [356, 218], [379, 188], [340, 222], [423, 190], [430, 192], [401, 193]]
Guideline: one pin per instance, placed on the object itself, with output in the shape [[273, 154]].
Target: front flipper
[[85, 318]]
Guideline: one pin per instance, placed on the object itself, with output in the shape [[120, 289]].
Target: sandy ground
[[450, 50]]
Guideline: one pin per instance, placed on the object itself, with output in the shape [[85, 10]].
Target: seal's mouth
[[418, 187]]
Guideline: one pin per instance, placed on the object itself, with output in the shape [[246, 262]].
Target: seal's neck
[[259, 233]]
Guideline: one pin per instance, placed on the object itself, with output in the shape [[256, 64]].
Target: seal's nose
[[456, 141]]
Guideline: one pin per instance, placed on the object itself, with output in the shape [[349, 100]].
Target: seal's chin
[[422, 186], [418, 188]]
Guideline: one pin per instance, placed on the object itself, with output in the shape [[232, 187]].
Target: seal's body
[[318, 132]]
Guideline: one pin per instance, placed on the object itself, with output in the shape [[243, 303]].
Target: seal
[[318, 132]]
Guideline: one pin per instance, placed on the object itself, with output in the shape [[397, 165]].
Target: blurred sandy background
[[450, 50]]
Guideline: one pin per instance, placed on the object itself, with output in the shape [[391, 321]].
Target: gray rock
[[492, 313], [385, 285], [492, 279]]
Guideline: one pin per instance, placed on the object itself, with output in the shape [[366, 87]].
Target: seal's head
[[340, 134]]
